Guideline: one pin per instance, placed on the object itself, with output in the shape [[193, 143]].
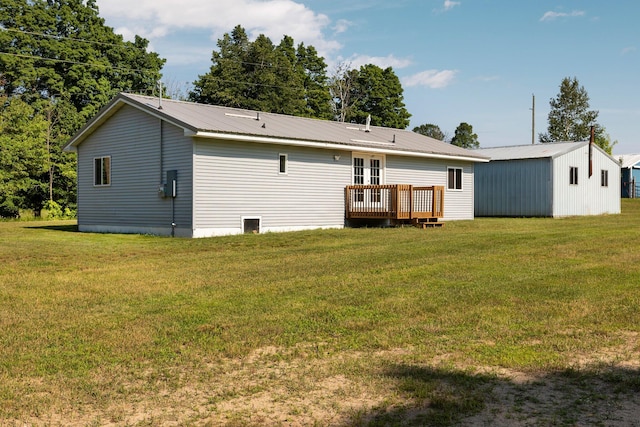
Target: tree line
[[60, 63]]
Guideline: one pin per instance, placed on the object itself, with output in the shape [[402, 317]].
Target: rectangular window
[[454, 178], [283, 163], [604, 178], [573, 175], [102, 171]]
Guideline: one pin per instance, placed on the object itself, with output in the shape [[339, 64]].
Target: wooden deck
[[396, 202]]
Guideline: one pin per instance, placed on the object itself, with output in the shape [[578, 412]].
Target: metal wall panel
[[541, 186], [588, 197], [514, 188]]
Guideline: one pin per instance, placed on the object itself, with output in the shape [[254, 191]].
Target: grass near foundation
[[343, 327]]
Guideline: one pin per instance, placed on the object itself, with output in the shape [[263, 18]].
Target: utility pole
[[533, 119]]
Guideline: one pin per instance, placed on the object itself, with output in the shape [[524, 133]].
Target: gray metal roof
[[221, 122], [629, 161], [531, 151]]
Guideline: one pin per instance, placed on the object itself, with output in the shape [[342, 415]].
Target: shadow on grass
[[438, 397], [70, 228]]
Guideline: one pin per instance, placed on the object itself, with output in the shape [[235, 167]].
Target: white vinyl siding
[[235, 180], [132, 201], [458, 205]]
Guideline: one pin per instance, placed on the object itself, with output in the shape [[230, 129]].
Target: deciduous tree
[[430, 130], [60, 58], [570, 118], [23, 157]]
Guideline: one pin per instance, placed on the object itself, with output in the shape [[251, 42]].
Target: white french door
[[368, 170]]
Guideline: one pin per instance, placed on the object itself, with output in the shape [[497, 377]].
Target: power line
[[19, 55], [57, 37]]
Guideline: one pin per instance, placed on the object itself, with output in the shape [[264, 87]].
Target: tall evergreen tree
[[464, 136], [225, 84], [378, 92], [315, 81], [262, 76], [59, 57], [570, 118]]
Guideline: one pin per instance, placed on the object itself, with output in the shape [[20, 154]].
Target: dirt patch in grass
[[299, 387]]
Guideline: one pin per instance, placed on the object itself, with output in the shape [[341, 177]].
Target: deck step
[[427, 223], [431, 224]]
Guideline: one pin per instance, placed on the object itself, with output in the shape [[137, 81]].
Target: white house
[[547, 180], [178, 168]]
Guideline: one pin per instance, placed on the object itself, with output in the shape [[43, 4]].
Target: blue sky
[[474, 61]]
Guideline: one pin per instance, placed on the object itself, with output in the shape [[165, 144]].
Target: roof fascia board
[[328, 145]]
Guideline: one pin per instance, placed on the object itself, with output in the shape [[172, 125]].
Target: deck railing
[[394, 201]]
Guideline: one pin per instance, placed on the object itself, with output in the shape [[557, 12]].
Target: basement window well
[[251, 225]]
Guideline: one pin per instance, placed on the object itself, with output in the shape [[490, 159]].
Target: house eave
[[329, 145]]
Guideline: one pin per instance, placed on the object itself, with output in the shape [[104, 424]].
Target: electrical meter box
[[171, 188]]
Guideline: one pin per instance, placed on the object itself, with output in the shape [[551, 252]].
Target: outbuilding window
[[604, 178], [102, 171], [573, 175], [454, 178]]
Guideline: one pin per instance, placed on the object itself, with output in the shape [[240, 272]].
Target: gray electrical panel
[[171, 188]]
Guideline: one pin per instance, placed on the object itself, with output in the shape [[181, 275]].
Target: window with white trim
[[283, 163], [573, 175], [102, 171], [454, 179], [604, 178]]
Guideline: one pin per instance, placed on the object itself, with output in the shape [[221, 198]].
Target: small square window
[[102, 171], [251, 225], [454, 178], [283, 163]]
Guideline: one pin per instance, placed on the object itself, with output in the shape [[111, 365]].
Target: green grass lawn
[[340, 327]]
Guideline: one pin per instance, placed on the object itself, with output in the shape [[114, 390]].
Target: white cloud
[[341, 26], [551, 16], [487, 79], [357, 61], [434, 79], [450, 4], [628, 50], [274, 18]]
